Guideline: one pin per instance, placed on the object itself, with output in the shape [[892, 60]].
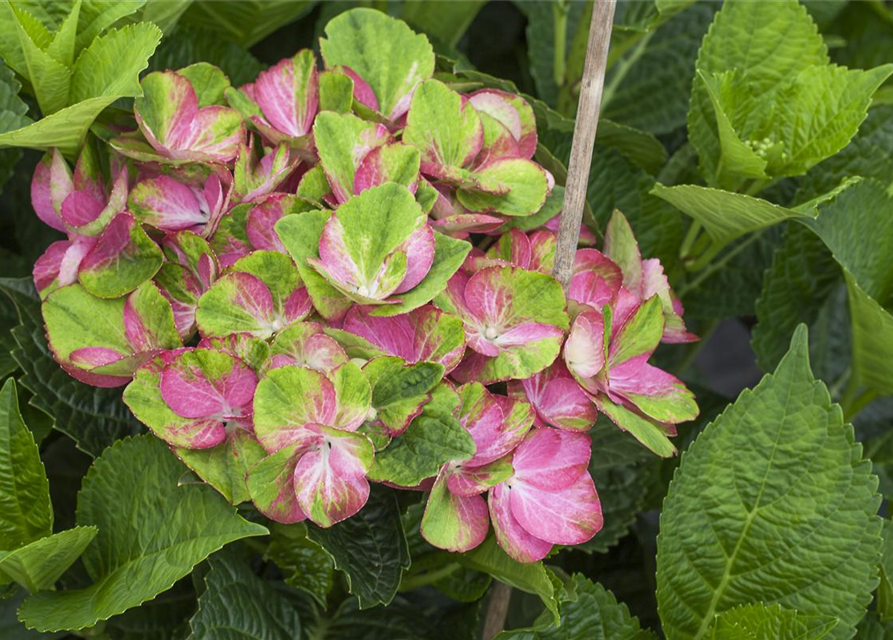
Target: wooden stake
[[497, 610], [584, 139]]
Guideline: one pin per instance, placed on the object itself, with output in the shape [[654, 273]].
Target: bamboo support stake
[[591, 87], [584, 139]]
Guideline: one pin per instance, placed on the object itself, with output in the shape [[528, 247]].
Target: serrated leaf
[[109, 69], [155, 536], [238, 604], [13, 111], [758, 621], [788, 495], [92, 417], [444, 20], [246, 22], [885, 589], [38, 565], [197, 44], [25, 511], [370, 548], [858, 229], [399, 389], [802, 276], [433, 438], [590, 611], [305, 565], [726, 215]]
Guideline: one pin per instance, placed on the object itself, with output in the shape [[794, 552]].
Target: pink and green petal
[[122, 258], [551, 459], [512, 112], [243, 346], [635, 331], [330, 476], [558, 399], [393, 162], [512, 248], [169, 116], [50, 185], [425, 334], [288, 95], [271, 486], [58, 266], [353, 397], [525, 183], [497, 424], [149, 322], [514, 539], [342, 142], [287, 401], [168, 204], [264, 215], [572, 515], [445, 129], [467, 481], [596, 280], [143, 397], [383, 52], [654, 436], [657, 394], [452, 522], [585, 351], [261, 295], [304, 344], [202, 383], [259, 171]]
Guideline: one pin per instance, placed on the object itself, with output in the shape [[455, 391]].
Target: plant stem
[[624, 66], [497, 610], [423, 579], [560, 10], [689, 239], [713, 267]]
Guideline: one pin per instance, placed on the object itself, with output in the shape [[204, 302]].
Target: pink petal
[[584, 350], [50, 186], [511, 536], [80, 208], [334, 257], [525, 333], [419, 249], [569, 516], [288, 99], [168, 204], [261, 220], [330, 482], [362, 92], [188, 391], [551, 459], [596, 279], [559, 400]]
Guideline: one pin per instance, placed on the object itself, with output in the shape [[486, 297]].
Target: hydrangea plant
[[317, 305], [284, 288]]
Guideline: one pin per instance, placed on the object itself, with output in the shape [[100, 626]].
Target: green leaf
[[13, 111], [758, 621], [225, 466], [400, 389], [91, 416], [154, 535], [38, 565], [25, 511], [649, 88], [443, 19], [869, 154], [305, 564], [590, 611], [433, 438], [246, 22], [238, 604], [795, 288], [383, 51], [50, 78], [774, 503], [858, 229], [370, 548], [885, 589], [726, 215], [532, 578], [109, 69]]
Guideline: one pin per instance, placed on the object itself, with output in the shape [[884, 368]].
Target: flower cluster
[[283, 277]]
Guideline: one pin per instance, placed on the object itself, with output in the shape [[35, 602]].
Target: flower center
[[491, 333]]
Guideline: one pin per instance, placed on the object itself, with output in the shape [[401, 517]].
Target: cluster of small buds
[[284, 277]]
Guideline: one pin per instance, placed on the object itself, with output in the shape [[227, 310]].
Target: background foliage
[[769, 527]]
